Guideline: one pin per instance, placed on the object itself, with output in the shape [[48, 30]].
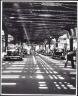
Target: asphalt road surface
[[37, 74]]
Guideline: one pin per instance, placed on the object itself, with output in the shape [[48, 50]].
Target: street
[[38, 74]]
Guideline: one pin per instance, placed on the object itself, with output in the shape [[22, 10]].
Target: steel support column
[[71, 44], [71, 47], [56, 42], [49, 42], [45, 47], [6, 39], [15, 39]]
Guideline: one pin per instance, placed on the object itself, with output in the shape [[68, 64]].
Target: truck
[[13, 54]]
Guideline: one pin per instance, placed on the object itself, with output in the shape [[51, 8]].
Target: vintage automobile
[[58, 53], [42, 52], [13, 54], [49, 53]]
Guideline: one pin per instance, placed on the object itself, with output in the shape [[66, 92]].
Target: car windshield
[[12, 52]]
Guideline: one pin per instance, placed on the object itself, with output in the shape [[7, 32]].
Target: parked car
[[49, 53], [58, 53], [43, 52], [13, 54]]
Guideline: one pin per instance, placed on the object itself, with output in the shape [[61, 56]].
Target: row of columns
[[15, 40], [70, 40], [49, 42], [6, 42]]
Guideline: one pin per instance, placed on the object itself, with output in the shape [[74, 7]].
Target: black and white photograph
[[38, 47]]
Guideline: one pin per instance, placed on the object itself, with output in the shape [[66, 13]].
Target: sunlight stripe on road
[[69, 66], [68, 69], [10, 76], [73, 73], [14, 68], [50, 77], [39, 77], [17, 65], [43, 87], [55, 72], [34, 60], [43, 62], [38, 71], [61, 64], [61, 78], [55, 77], [12, 71], [42, 82], [71, 86], [8, 84], [23, 76], [73, 78]]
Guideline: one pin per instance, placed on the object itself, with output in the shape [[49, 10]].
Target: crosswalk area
[[37, 74]]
